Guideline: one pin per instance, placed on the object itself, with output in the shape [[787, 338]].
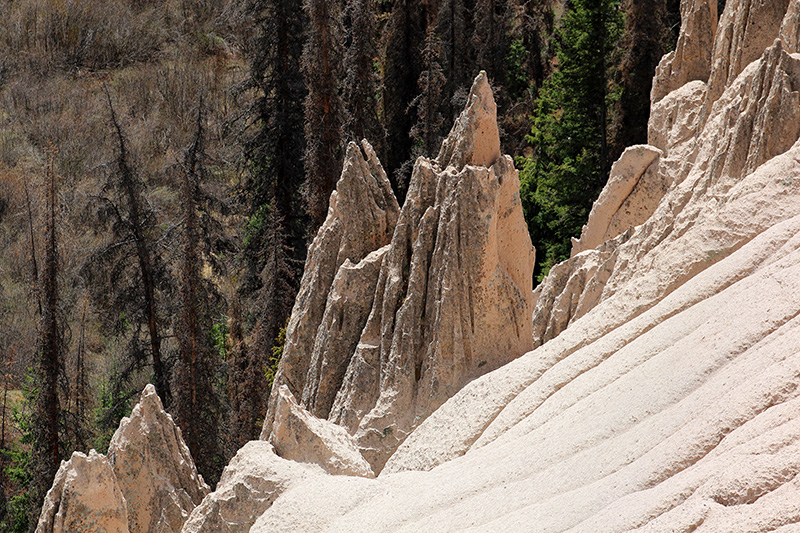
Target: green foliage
[[516, 71], [255, 224], [112, 406], [18, 468], [569, 165], [277, 353], [219, 334]]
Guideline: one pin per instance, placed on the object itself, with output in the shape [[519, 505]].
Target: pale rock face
[[691, 59], [572, 288], [154, 468], [406, 327], [757, 118], [634, 189], [675, 119], [346, 312], [299, 436], [362, 214], [681, 415], [475, 138], [673, 402], [251, 482], [84, 498], [438, 322], [790, 28], [746, 28]]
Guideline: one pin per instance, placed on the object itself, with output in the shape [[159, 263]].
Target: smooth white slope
[[679, 416]]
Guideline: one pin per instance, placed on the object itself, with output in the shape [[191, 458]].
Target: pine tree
[[360, 84], [47, 452], [127, 278], [570, 134], [197, 406], [427, 132], [403, 39], [489, 37], [274, 236], [320, 61], [452, 27], [645, 42]]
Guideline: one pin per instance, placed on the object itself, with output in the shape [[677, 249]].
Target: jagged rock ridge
[[148, 483], [667, 397], [444, 298]]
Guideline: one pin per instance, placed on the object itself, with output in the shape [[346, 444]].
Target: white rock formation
[[634, 189], [691, 59], [746, 28], [449, 298], [84, 498], [299, 436], [674, 122], [147, 484], [666, 393], [673, 402], [250, 483], [790, 28], [362, 214], [154, 469]]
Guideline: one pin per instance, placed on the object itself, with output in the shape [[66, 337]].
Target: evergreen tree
[[570, 134], [320, 61], [489, 37], [197, 405], [427, 132], [452, 27], [274, 236], [127, 278], [403, 39], [47, 452], [360, 84], [645, 42]]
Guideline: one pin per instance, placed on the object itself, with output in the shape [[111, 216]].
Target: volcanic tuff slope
[[663, 391], [665, 394]]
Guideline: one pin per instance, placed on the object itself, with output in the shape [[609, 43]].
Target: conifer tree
[[197, 406], [570, 134], [489, 37], [645, 41], [360, 84], [452, 27], [320, 63], [127, 278], [403, 39], [47, 453], [426, 133], [274, 236]]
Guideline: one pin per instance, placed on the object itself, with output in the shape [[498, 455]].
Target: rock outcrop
[[666, 393], [154, 468], [147, 484], [445, 301], [84, 498], [790, 28], [746, 28], [251, 482], [362, 214], [301, 437], [634, 190], [691, 59]]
